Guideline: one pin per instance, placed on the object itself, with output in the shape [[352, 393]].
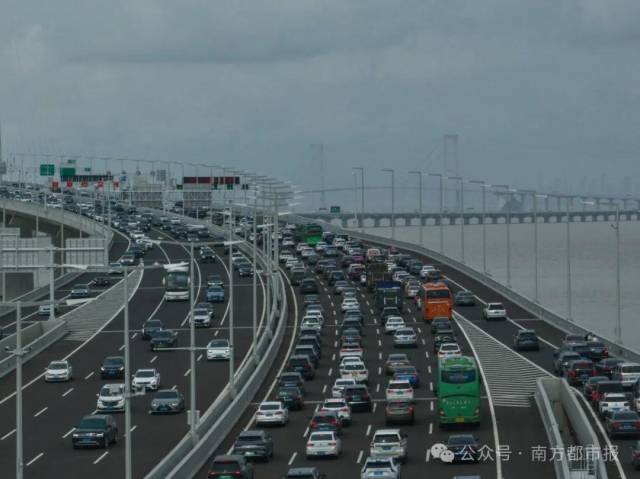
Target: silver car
[[405, 337], [389, 443], [111, 398], [58, 371], [323, 444], [167, 401]]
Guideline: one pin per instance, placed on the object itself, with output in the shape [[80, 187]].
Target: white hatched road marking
[[513, 385]]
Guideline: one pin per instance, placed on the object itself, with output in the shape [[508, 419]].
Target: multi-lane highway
[[512, 416], [52, 410]]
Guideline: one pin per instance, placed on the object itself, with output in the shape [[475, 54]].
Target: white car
[[380, 468], [272, 412], [306, 252], [291, 262], [351, 351], [58, 371], [426, 269], [349, 304], [311, 323], [324, 444], [314, 313], [111, 398], [351, 360], [399, 389], [613, 402], [356, 371], [389, 443], [393, 324], [340, 407], [400, 275], [201, 317], [494, 311], [320, 246], [284, 257], [218, 349], [338, 386], [449, 350], [147, 379]]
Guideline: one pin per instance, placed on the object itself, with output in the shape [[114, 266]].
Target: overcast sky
[[535, 89]]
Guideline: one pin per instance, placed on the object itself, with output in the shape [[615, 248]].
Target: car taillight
[[332, 443], [365, 398], [572, 373], [411, 408], [314, 424], [616, 425], [345, 409]]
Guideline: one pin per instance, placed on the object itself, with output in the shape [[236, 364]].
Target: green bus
[[458, 387], [311, 234]]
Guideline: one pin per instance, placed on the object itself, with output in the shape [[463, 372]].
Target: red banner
[[69, 184], [100, 184], [55, 185]]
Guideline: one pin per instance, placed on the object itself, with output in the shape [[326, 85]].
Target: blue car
[[408, 373], [215, 294]]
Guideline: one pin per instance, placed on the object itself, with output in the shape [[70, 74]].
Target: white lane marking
[[426, 353], [175, 386], [186, 318], [335, 313], [324, 389], [68, 391], [134, 336], [419, 330], [199, 357], [186, 373], [89, 375], [379, 370], [330, 372], [379, 343], [375, 406], [306, 431], [66, 434], [372, 312], [333, 357], [429, 368], [360, 454], [378, 331], [35, 459], [153, 359], [380, 356], [368, 430], [335, 344], [293, 458], [424, 343], [41, 411], [121, 348], [378, 387], [133, 428], [431, 405], [101, 457], [430, 386], [427, 455], [7, 435], [430, 428], [217, 332]]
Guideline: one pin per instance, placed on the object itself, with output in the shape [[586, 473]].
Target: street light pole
[[419, 173], [127, 379], [618, 279], [484, 186], [569, 287], [393, 202], [461, 180], [192, 350], [18, 354], [508, 228], [232, 385], [441, 207], [361, 170]]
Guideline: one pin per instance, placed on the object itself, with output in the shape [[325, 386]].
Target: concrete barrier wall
[[36, 338]]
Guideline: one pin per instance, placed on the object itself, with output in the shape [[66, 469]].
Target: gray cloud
[[532, 88]]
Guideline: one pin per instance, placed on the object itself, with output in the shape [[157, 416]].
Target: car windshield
[[145, 373], [625, 416], [495, 306], [460, 440], [458, 377], [218, 343], [635, 368], [113, 361], [166, 395], [405, 370], [108, 391], [225, 466], [92, 423], [163, 334], [58, 365], [528, 336], [201, 312], [250, 438], [321, 437], [288, 391], [386, 438], [378, 464], [449, 347], [269, 407], [215, 289]]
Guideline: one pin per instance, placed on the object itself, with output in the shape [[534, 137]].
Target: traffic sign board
[[335, 210], [67, 172], [47, 170]]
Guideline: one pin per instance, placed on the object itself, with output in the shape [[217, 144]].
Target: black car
[[150, 327], [439, 322], [207, 255], [308, 340], [465, 447], [465, 298], [302, 365], [245, 270], [230, 466], [291, 396], [597, 350], [101, 281], [166, 338], [336, 275], [308, 286], [308, 351], [292, 379], [526, 339], [605, 366], [254, 444], [358, 398], [99, 430], [112, 368]]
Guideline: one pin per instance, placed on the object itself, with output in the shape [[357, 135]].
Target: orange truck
[[437, 300]]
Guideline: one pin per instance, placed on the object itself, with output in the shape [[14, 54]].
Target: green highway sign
[[67, 173], [178, 187], [47, 170], [334, 210]]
